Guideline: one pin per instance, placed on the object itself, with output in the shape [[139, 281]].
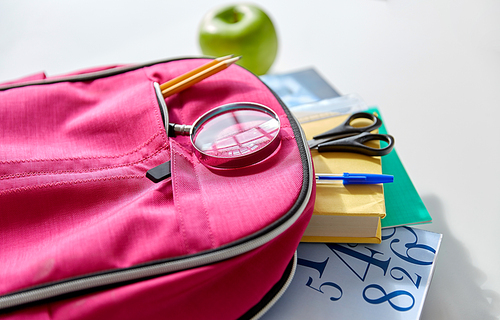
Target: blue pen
[[354, 178]]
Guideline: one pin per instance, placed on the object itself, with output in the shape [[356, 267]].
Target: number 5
[[330, 284]]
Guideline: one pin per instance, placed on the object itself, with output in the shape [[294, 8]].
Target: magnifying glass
[[233, 135]]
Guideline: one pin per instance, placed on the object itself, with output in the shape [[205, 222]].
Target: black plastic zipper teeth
[[302, 196]]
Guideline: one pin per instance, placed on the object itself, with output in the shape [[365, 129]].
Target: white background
[[432, 67]]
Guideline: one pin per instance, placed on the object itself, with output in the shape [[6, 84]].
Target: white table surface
[[432, 67]]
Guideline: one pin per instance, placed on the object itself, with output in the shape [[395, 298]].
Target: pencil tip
[[232, 60], [224, 58]]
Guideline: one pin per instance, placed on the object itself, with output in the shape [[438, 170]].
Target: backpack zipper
[[288, 280]]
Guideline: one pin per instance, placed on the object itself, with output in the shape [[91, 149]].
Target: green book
[[403, 205]]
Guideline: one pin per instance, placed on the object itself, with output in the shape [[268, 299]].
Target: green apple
[[243, 30]]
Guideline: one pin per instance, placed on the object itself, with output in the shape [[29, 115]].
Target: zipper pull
[[159, 173]]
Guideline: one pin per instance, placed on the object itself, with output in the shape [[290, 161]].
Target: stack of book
[[359, 257]]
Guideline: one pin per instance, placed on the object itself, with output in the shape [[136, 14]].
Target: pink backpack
[[84, 234]]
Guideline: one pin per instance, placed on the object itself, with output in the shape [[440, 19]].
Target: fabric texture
[[74, 198]]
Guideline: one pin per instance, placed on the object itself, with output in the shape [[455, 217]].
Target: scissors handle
[[345, 128], [356, 144]]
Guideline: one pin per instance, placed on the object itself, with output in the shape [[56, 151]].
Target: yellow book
[[344, 213]]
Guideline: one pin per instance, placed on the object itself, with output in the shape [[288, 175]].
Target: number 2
[[416, 282]]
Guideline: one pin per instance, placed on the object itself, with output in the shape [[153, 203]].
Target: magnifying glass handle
[[178, 129]]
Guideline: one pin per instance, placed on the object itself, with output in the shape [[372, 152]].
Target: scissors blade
[[314, 143]]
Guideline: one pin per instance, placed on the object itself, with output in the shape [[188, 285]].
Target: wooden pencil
[[191, 73], [195, 76]]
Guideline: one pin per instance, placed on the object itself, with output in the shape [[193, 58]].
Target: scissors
[[351, 139]]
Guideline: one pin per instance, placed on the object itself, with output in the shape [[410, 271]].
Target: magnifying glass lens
[[235, 133]]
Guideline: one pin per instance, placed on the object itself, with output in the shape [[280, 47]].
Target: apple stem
[[235, 16]]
